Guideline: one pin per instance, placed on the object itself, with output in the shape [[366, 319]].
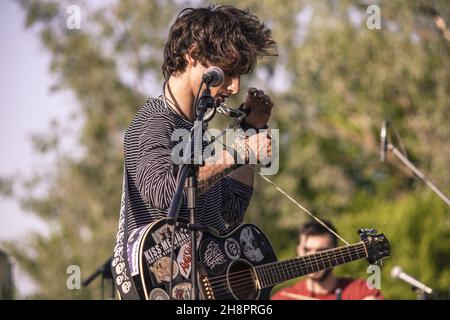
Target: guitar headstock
[[377, 245]]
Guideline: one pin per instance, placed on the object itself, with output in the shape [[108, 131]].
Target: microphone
[[383, 144], [213, 76], [397, 273]]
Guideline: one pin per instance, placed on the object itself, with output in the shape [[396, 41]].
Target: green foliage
[[342, 81], [417, 227]]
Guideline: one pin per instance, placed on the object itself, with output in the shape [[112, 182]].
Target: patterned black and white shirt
[[151, 178]]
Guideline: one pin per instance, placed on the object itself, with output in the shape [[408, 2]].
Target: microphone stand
[[188, 175], [417, 172], [105, 271], [421, 295]]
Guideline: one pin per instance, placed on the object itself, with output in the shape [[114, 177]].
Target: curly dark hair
[[224, 36]]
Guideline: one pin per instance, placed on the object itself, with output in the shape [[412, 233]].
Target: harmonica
[[230, 112]]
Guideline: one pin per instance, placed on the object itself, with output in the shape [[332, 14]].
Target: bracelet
[[244, 126], [236, 152]]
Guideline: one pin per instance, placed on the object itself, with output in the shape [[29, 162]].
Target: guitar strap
[[120, 267]]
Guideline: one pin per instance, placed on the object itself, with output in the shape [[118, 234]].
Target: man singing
[[220, 36]]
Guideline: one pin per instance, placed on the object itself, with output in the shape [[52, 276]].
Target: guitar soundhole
[[240, 280]]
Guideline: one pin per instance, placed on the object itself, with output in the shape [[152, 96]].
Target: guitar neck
[[276, 272]]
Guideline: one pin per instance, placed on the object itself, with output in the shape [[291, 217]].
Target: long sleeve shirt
[[152, 181]]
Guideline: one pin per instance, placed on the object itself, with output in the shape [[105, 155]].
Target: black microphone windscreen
[[213, 76]]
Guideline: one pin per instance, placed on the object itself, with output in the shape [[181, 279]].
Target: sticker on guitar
[[182, 291], [184, 258], [158, 294], [252, 248], [163, 248], [133, 249], [214, 258], [161, 269], [232, 248], [162, 233]]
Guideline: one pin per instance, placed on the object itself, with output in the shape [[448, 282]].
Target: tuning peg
[[367, 232]]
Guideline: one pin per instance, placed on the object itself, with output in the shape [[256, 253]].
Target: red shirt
[[351, 289]]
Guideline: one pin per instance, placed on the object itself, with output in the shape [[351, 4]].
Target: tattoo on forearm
[[208, 182], [210, 175]]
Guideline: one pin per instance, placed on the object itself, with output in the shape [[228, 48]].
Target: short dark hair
[[313, 228], [224, 36]]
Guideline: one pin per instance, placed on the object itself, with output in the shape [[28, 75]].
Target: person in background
[[324, 285]]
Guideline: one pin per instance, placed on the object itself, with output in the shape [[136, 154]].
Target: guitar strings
[[331, 254], [222, 289], [238, 287], [289, 268]]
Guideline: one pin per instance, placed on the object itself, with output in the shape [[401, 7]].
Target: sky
[[27, 107]]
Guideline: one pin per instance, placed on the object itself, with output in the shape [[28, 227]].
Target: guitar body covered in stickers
[[240, 265], [225, 267]]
